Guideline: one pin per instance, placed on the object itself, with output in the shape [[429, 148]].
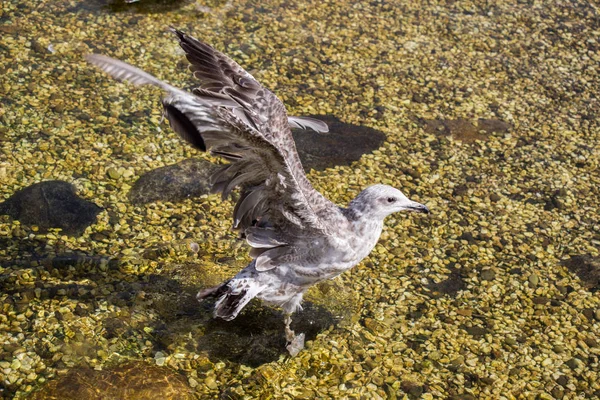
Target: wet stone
[[476, 331], [587, 268], [51, 204], [344, 144], [534, 280], [113, 173], [134, 381], [38, 48], [9, 29], [558, 392], [488, 274], [494, 197], [142, 6], [468, 236], [574, 363], [465, 130], [450, 286], [177, 182], [414, 390], [465, 396], [562, 380], [540, 300]]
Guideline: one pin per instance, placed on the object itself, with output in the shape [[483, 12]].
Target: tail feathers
[[233, 297], [215, 291]]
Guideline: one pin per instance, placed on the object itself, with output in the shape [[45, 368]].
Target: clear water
[[490, 118]]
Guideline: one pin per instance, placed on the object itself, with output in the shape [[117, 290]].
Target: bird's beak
[[417, 207]]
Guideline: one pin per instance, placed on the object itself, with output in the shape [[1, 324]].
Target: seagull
[[297, 237]]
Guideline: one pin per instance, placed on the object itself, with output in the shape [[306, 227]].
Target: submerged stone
[[144, 6], [344, 144], [51, 204], [132, 381], [465, 130], [587, 268], [450, 286], [189, 178]]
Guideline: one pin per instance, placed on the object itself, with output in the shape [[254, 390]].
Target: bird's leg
[[295, 343], [289, 333]]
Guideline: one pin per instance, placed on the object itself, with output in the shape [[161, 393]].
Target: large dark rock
[[189, 178], [344, 144], [145, 6], [51, 204], [134, 380]]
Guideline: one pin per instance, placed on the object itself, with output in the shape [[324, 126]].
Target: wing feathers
[[264, 237], [236, 118], [308, 123], [122, 71], [184, 127], [246, 205], [270, 258]]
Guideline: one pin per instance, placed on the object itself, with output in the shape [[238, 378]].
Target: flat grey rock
[[177, 182]]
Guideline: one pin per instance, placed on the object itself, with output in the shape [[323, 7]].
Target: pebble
[[533, 280], [558, 348], [488, 274], [113, 173], [574, 363], [211, 383]]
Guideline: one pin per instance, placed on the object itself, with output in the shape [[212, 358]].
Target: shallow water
[[490, 118]]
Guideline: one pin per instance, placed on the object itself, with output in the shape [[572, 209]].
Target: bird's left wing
[[235, 117]]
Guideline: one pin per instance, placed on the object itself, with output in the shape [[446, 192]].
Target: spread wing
[[235, 117]]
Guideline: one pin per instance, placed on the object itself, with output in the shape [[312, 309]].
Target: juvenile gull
[[297, 236]]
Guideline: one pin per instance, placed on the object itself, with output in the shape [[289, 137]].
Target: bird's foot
[[295, 345]]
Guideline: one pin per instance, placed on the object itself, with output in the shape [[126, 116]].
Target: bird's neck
[[366, 229], [363, 222], [358, 211]]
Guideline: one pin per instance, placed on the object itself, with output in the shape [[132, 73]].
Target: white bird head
[[379, 201]]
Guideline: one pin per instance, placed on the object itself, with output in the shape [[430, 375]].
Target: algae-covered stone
[[134, 381], [464, 130], [587, 268]]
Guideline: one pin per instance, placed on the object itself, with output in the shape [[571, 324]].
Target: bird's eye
[[391, 199]]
